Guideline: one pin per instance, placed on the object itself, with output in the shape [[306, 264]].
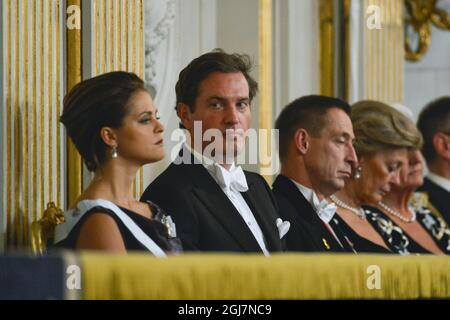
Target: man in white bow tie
[[217, 206], [317, 156], [434, 123]]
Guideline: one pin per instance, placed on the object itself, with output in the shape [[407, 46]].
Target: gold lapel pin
[[326, 244]]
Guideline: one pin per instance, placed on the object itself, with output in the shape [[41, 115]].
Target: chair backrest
[[42, 230]]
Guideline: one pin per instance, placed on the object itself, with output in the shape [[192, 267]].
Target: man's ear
[[185, 115], [109, 136], [441, 144], [301, 140]]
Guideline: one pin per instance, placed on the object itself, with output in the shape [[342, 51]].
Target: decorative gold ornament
[[325, 242], [421, 14], [44, 229]]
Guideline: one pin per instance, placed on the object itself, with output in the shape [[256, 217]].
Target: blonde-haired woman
[[418, 222], [383, 137]]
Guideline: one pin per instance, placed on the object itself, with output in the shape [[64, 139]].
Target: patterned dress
[[399, 241]]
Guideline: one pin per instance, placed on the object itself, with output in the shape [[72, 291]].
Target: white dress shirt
[[222, 176], [324, 209], [440, 181]]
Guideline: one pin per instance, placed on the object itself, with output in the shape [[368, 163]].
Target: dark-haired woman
[[113, 123]]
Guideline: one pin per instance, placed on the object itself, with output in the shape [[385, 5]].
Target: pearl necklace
[[398, 214], [359, 212]]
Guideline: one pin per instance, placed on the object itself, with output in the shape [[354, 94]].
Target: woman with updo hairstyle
[[383, 137], [113, 123]]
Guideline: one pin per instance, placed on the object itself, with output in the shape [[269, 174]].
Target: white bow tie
[[233, 179], [326, 211]]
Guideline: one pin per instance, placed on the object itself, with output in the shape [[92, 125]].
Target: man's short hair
[[435, 117], [309, 113], [198, 70]]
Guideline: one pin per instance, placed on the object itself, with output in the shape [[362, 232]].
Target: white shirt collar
[[309, 194], [440, 181], [324, 209]]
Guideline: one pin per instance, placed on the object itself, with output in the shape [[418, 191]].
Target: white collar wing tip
[[283, 227], [326, 211]]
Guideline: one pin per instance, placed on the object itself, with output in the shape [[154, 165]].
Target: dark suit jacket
[[308, 232], [205, 219], [439, 198]]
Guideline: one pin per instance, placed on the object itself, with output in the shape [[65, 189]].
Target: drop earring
[[357, 173], [114, 153]]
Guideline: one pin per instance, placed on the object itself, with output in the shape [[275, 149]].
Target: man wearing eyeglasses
[[434, 123]]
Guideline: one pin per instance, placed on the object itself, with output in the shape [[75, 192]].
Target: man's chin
[[374, 199], [332, 189], [340, 183], [228, 156]]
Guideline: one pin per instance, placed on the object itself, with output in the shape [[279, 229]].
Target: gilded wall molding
[[265, 82], [376, 50], [383, 53], [74, 76], [326, 47]]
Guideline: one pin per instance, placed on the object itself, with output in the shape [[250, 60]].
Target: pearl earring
[[114, 153], [357, 173]]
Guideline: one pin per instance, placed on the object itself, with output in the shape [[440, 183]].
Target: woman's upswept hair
[[96, 103], [378, 127]]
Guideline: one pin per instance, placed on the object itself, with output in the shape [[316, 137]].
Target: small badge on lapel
[[325, 242], [170, 225]]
